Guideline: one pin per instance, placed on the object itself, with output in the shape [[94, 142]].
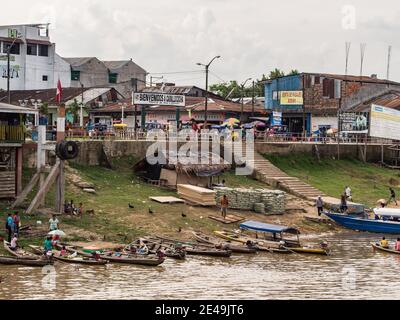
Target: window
[[317, 80], [31, 49], [328, 88], [14, 48], [43, 50], [75, 75], [112, 77], [45, 78]]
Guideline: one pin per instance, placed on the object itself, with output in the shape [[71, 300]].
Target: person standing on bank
[[9, 226], [343, 203], [347, 191], [53, 223], [224, 205], [320, 205], [392, 196]]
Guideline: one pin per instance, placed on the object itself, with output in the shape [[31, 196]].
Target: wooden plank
[[44, 189], [230, 218], [167, 199], [27, 190]]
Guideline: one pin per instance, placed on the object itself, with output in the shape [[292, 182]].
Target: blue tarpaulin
[[266, 227]]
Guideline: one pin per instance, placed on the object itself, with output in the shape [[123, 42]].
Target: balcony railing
[[12, 133]]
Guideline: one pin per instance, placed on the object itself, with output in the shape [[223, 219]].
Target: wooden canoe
[[378, 247], [196, 249], [123, 258], [24, 262], [308, 250], [19, 252], [260, 245], [217, 243], [208, 252], [169, 251], [76, 260]]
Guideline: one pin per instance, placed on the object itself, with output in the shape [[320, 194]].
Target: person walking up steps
[[320, 205]]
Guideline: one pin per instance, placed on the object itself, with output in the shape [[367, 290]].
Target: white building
[[34, 63]]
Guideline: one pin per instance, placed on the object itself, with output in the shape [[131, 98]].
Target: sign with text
[[353, 122], [291, 97], [385, 122], [276, 118], [162, 99]]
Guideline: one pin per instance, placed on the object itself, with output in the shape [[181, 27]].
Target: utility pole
[[81, 111], [242, 106], [252, 101], [207, 66], [151, 79]]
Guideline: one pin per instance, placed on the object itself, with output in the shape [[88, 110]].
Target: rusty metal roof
[[390, 100]]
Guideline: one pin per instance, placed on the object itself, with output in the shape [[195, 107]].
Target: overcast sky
[[252, 36]]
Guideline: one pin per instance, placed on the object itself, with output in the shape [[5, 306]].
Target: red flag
[[59, 91]]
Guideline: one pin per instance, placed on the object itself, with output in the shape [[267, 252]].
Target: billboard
[[291, 97], [353, 122], [385, 122], [163, 99]]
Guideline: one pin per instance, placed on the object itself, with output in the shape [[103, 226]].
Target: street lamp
[[242, 87], [207, 66], [8, 66]]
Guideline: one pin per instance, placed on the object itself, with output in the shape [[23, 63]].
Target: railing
[[260, 136], [12, 133]]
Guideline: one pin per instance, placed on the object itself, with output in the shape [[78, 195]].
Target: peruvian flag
[[59, 91]]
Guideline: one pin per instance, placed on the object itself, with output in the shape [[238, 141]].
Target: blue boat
[[365, 224]]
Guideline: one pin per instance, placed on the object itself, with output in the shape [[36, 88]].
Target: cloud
[[252, 37]]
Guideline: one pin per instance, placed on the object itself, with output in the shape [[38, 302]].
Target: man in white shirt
[[347, 191], [53, 223]]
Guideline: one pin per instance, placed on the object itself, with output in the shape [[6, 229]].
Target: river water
[[353, 271]]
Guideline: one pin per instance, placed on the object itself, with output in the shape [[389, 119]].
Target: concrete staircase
[[265, 171]]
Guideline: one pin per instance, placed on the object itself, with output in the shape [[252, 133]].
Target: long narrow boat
[[120, 258], [260, 244], [371, 225], [217, 243], [310, 250], [196, 249], [67, 259], [168, 251], [378, 247], [24, 262], [19, 252]]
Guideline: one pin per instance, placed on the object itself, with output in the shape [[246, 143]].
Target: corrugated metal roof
[[89, 95], [9, 108], [390, 100]]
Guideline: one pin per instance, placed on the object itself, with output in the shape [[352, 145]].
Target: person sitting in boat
[[96, 255], [63, 252], [160, 254], [397, 245], [55, 240], [48, 246], [384, 243], [14, 242], [143, 249]]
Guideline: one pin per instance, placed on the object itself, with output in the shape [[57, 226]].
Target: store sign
[[12, 33], [161, 99], [353, 122], [385, 122], [291, 97], [276, 118]]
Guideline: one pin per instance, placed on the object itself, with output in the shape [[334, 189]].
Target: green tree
[[75, 108], [276, 73], [293, 72], [44, 109]]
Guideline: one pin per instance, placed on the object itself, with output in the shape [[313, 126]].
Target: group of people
[[70, 208], [384, 243], [13, 224]]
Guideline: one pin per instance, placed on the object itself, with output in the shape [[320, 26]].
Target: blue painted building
[[292, 115]]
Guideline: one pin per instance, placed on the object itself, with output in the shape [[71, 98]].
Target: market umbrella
[[57, 233], [331, 131], [231, 122]]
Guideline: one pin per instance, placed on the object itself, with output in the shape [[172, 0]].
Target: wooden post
[[18, 156]]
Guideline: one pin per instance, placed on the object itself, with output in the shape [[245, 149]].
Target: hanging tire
[[67, 150]]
